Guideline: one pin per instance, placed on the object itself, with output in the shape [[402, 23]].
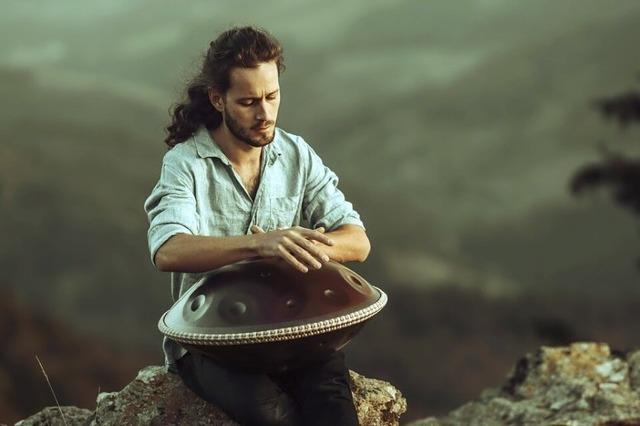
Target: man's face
[[250, 106]]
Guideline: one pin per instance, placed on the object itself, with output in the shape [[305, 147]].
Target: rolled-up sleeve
[[171, 206], [324, 204]]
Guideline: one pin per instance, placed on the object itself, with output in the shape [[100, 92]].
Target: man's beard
[[242, 133]]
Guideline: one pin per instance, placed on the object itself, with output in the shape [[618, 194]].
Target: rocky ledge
[[157, 397], [583, 384]]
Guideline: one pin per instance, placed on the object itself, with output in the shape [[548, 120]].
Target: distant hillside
[[78, 366], [74, 172]]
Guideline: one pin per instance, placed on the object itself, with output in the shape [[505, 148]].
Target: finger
[[255, 229], [320, 229], [301, 253], [309, 247], [291, 259], [315, 235]]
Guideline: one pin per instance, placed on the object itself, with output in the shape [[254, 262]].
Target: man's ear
[[216, 99]]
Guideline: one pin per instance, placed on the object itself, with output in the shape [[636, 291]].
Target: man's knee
[[248, 399], [280, 410]]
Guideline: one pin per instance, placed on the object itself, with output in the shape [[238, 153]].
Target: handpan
[[264, 315]]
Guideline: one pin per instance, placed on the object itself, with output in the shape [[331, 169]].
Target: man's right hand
[[294, 245]]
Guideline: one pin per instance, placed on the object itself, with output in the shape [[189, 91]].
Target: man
[[234, 186]]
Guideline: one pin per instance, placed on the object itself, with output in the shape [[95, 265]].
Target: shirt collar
[[206, 147]]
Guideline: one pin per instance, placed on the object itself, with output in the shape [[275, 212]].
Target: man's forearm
[[196, 253], [351, 244]]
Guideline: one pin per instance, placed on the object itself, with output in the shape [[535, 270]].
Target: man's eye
[[246, 103]]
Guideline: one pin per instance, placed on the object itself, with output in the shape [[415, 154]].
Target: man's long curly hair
[[244, 47]]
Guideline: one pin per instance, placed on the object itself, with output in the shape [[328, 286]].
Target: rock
[[579, 385], [51, 416], [157, 397], [377, 402]]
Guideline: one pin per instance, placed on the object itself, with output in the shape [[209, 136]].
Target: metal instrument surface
[[264, 315]]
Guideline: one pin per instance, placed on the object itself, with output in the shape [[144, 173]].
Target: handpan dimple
[[235, 310], [238, 308], [288, 306], [265, 274], [197, 302], [336, 297], [197, 307], [265, 315]]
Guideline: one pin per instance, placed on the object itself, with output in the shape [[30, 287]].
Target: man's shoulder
[[183, 155]]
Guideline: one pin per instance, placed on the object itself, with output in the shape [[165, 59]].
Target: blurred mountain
[[73, 171]]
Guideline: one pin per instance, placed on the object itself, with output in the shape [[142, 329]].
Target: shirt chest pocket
[[284, 211]]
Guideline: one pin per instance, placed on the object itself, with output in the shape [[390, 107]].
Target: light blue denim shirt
[[200, 193]]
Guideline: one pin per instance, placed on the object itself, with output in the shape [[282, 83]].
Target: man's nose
[[261, 113]]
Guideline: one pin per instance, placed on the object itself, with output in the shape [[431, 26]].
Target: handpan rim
[[277, 334]]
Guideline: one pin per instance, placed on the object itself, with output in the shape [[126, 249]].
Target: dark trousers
[[317, 394]]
